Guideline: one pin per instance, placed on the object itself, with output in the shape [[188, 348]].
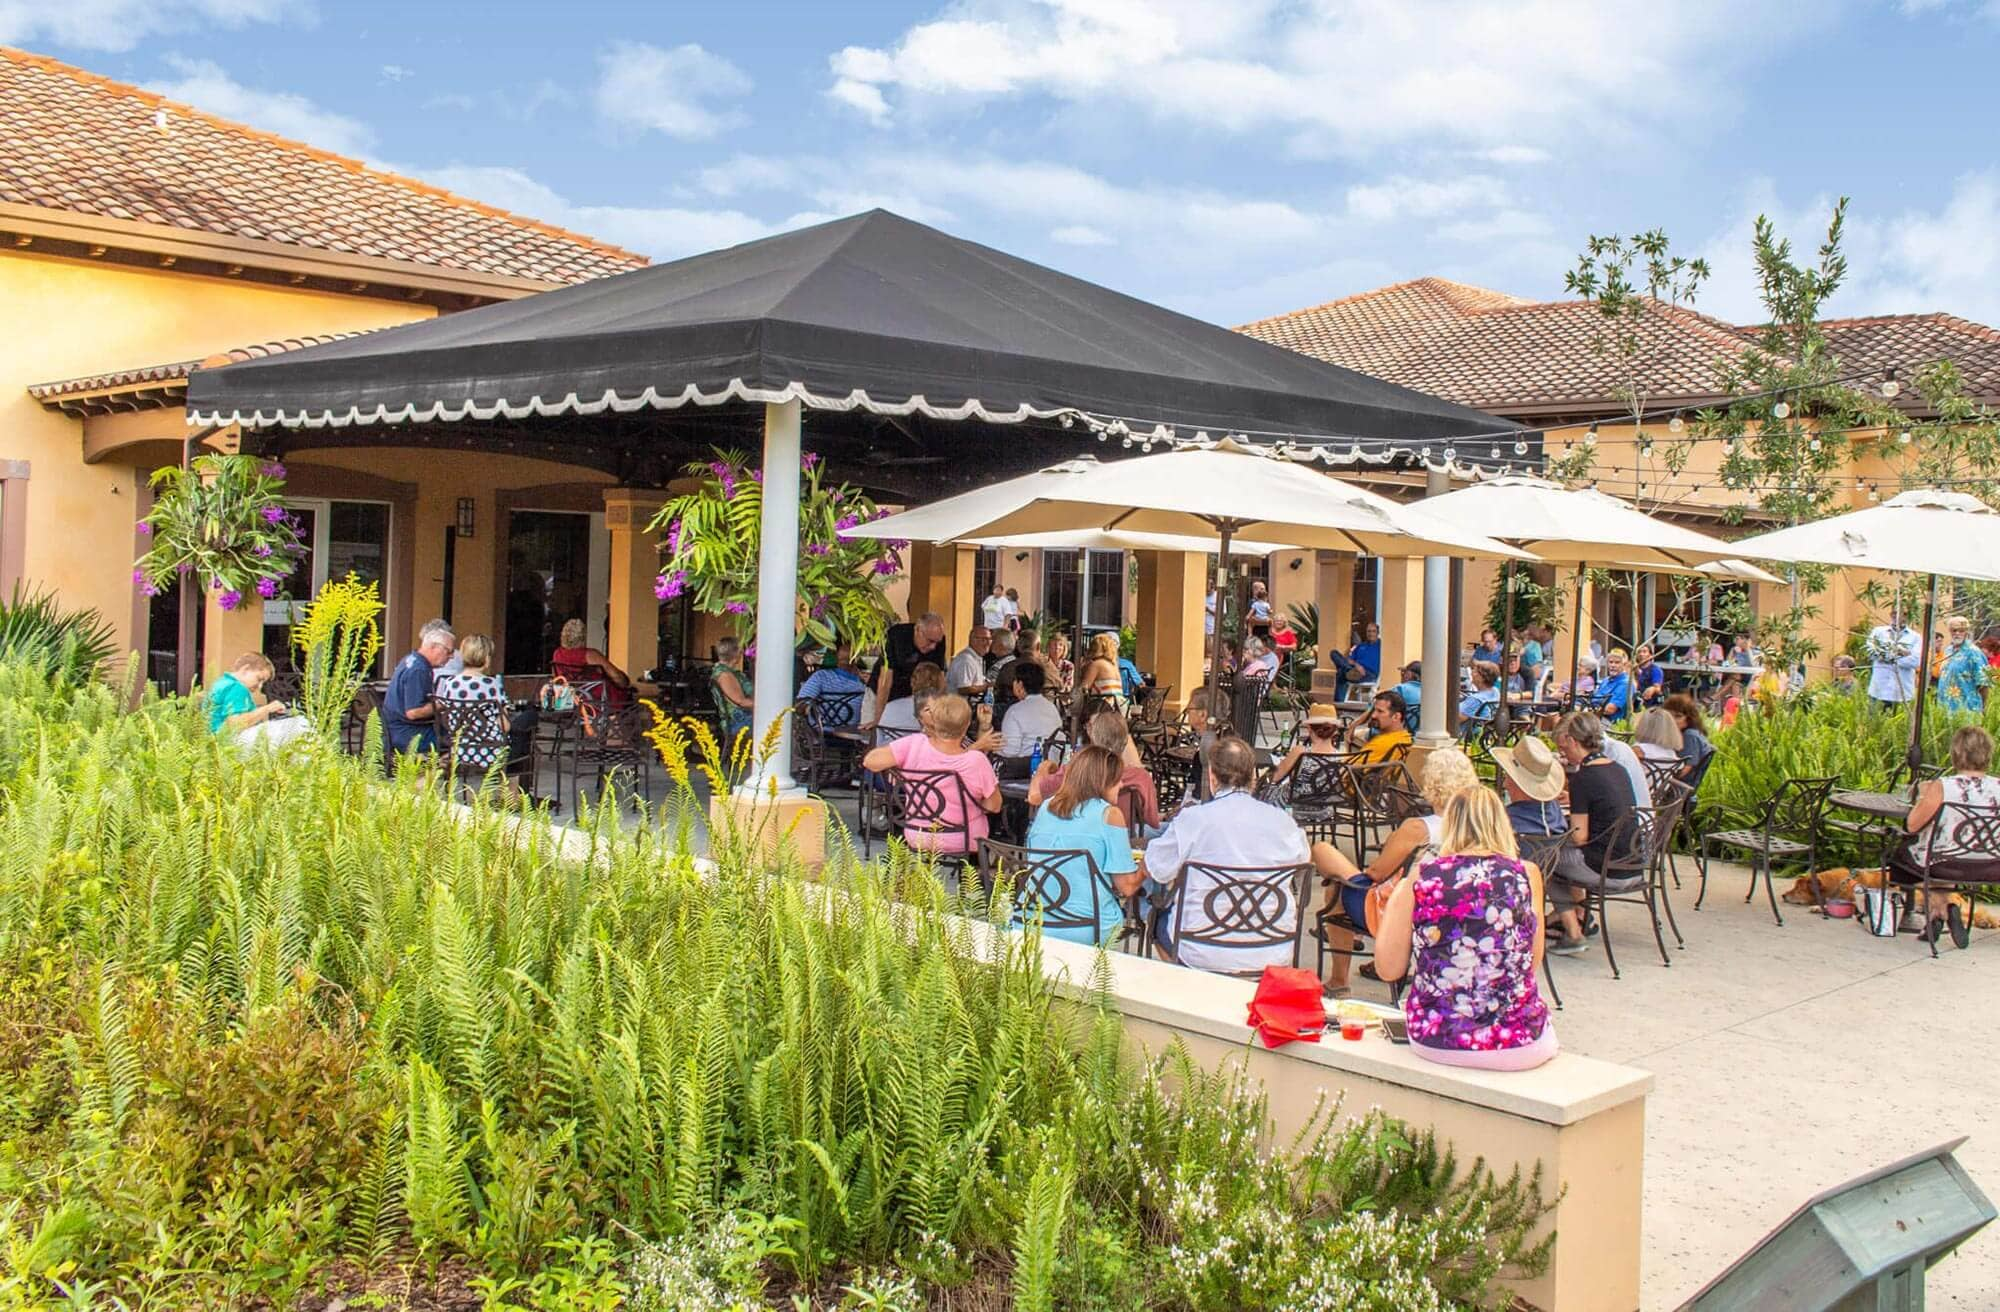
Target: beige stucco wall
[[69, 318]]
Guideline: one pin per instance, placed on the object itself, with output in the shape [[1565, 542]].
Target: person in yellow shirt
[[1382, 730]]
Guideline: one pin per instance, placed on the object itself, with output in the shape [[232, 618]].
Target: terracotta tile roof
[[1512, 356], [70, 140], [57, 395], [1498, 352], [1909, 343]]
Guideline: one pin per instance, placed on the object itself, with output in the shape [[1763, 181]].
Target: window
[[1367, 591], [985, 571], [1062, 586], [339, 537], [1104, 591]]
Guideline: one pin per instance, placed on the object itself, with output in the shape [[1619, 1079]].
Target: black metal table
[[1883, 806]]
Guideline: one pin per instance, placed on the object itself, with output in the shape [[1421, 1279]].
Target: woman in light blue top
[[1081, 817]]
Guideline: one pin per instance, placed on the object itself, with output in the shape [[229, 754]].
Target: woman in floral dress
[[1468, 931]]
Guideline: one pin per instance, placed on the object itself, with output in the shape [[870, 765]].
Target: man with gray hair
[[905, 647], [409, 715]]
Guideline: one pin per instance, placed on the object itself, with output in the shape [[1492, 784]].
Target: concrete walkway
[[1789, 1060]]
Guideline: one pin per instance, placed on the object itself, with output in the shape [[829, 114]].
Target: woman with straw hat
[[1321, 738]]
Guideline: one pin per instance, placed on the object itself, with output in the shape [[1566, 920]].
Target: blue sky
[[1230, 158]]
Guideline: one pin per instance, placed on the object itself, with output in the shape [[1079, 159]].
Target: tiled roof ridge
[[176, 370], [1427, 282], [155, 99], [1944, 318]]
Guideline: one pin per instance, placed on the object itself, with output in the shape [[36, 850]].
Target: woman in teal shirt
[[1081, 817], [1962, 681]]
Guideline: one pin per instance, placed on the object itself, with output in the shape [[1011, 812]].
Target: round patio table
[[1885, 806]]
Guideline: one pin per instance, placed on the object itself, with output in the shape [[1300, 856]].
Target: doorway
[[340, 537], [558, 569], [1084, 590]]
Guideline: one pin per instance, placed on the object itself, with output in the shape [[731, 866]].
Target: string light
[[1590, 437], [1676, 424], [1890, 387], [1520, 447], [1781, 411], [1903, 438]]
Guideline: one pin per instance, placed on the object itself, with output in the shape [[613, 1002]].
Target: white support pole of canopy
[[1432, 730], [777, 598]]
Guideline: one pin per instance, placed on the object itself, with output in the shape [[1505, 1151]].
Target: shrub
[[61, 645], [299, 1016]]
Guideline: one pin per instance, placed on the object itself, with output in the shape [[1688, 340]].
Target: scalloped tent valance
[[870, 313]]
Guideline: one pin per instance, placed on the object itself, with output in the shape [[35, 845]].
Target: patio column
[[1433, 728], [230, 633], [777, 598], [633, 637], [1333, 593], [1402, 616], [1565, 669], [1171, 628]]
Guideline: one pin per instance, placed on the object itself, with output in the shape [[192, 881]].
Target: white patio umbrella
[[1928, 531], [1226, 489], [1576, 527], [1110, 540], [1737, 571]]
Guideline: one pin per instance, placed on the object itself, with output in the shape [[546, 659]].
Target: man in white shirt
[[1621, 754], [994, 609], [1232, 828], [1032, 717], [967, 675], [1893, 647]]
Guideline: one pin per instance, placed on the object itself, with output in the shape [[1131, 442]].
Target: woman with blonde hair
[[1467, 930], [475, 683], [1100, 670], [1656, 737], [1055, 659], [1363, 892], [576, 661]]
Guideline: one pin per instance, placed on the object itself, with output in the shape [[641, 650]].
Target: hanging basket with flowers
[[220, 522], [708, 547]]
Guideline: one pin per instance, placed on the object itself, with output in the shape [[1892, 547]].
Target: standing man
[[409, 716], [967, 675], [994, 609], [1893, 648], [905, 647]]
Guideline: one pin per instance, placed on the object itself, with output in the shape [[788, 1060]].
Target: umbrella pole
[[1576, 640], [1226, 528], [1506, 641], [1916, 754]]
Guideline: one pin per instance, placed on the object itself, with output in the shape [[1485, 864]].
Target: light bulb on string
[[1520, 447], [1676, 424], [1590, 436], [1450, 454], [1813, 445], [1890, 387], [1126, 441], [1068, 421], [1781, 410], [1903, 438]]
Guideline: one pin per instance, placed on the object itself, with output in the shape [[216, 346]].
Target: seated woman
[[1100, 676], [1055, 659], [1968, 784], [238, 710], [1364, 892], [1477, 707], [1467, 931], [1655, 735], [956, 829], [1259, 661], [1321, 738], [1695, 746], [474, 684], [1083, 816], [577, 661], [900, 714], [1601, 795], [733, 704]]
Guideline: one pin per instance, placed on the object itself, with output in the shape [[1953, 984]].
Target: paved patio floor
[[1788, 1060]]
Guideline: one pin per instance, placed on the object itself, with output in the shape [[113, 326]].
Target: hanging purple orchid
[[669, 586], [260, 551], [230, 600], [736, 608], [145, 529], [809, 461], [267, 588], [275, 515], [846, 522], [272, 469]]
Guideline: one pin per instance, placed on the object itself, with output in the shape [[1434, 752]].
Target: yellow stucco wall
[[68, 318]]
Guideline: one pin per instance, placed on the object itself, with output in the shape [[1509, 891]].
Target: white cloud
[[1080, 234], [206, 85], [1514, 155], [397, 73], [864, 98], [746, 173], [1400, 197], [1514, 77], [668, 91], [124, 24], [663, 232], [1911, 261]]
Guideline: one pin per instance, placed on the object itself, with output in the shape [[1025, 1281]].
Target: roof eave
[[361, 274]]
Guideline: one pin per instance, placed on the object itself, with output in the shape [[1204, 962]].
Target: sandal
[[1961, 932], [1368, 971]]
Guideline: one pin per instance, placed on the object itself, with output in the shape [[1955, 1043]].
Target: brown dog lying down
[[1843, 883]]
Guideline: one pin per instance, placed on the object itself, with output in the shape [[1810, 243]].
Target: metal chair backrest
[[837, 710], [1795, 809], [474, 730], [1543, 850], [1046, 880], [1972, 836], [616, 733], [1629, 846], [920, 800], [1246, 907], [1149, 705], [1659, 774], [1133, 804], [1373, 783], [1314, 783]]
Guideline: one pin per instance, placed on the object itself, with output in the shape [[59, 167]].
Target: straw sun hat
[[1533, 767], [1321, 713]]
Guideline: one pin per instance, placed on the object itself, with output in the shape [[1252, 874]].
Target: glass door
[[339, 537], [548, 584]]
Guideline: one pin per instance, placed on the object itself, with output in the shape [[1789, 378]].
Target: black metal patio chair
[[1244, 909], [607, 742], [1972, 862], [871, 804], [1787, 826], [473, 735], [1543, 851], [1045, 882]]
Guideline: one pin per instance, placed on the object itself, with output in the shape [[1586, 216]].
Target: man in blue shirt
[[1411, 690], [409, 716], [1612, 698], [1361, 665]]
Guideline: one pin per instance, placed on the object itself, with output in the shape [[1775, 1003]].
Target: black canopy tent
[[901, 342]]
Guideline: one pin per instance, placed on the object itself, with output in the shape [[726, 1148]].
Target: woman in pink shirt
[[957, 827]]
